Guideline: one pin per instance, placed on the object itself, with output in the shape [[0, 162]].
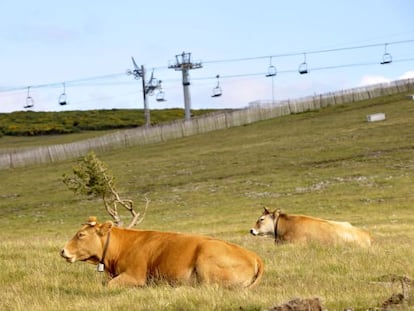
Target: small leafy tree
[[91, 177]]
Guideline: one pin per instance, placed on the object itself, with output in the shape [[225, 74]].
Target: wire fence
[[257, 111]]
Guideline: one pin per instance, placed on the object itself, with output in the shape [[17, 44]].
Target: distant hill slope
[[31, 123]]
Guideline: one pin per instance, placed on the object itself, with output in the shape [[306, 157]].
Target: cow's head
[[265, 225], [88, 242]]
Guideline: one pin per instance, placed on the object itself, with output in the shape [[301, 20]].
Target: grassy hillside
[[32, 123], [329, 163]]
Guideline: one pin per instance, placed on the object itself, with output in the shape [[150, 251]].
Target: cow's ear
[[266, 211], [105, 228]]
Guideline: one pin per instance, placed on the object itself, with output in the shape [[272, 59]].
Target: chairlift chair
[[29, 100], [217, 90], [271, 71], [62, 97], [386, 58], [303, 67], [160, 96]]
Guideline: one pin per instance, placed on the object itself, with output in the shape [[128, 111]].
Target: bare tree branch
[[137, 218], [92, 178]]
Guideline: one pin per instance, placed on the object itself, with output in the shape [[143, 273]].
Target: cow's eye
[[81, 234], [261, 219]]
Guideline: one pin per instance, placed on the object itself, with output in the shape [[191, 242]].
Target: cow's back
[[349, 233], [305, 229], [185, 258], [169, 255]]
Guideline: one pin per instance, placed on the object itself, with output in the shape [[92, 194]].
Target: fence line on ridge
[[257, 111]]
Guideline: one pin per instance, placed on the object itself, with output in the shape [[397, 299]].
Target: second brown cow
[[300, 228]]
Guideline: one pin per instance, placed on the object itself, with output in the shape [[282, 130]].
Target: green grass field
[[329, 163]]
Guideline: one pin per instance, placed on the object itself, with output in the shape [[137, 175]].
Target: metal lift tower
[[147, 87], [183, 63]]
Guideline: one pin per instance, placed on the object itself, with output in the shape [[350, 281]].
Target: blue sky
[[88, 46]]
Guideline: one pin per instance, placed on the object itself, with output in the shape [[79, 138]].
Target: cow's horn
[[91, 221]]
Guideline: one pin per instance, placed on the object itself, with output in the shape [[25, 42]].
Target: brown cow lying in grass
[[132, 257], [299, 228]]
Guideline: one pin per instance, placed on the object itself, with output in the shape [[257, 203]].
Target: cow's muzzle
[[253, 231], [65, 255]]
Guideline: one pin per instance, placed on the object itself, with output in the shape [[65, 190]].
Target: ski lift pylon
[[386, 58], [152, 84], [134, 63], [29, 100], [217, 90], [152, 81], [62, 97], [271, 71], [303, 67]]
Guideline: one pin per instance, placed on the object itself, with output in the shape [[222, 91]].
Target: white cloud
[[368, 80], [407, 75], [376, 79]]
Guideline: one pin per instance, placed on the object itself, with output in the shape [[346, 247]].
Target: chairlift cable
[[81, 82], [241, 75], [307, 52]]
